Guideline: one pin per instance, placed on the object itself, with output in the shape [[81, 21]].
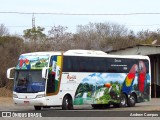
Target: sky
[[16, 23], [102, 78]]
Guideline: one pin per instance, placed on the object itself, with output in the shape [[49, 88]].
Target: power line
[[52, 26], [96, 14]]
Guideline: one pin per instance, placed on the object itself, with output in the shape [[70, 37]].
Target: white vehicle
[[76, 77]]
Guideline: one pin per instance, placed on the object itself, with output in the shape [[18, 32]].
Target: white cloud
[[104, 77]]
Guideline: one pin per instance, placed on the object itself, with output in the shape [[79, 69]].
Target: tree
[[60, 39], [147, 37], [10, 49], [101, 36], [35, 37], [3, 31]]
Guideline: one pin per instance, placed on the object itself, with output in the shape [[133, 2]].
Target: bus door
[[53, 82]]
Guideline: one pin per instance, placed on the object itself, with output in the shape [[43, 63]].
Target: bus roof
[[83, 52], [48, 53], [97, 53], [89, 53]]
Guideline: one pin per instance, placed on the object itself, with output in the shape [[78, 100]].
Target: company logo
[[19, 114], [71, 77], [6, 114]]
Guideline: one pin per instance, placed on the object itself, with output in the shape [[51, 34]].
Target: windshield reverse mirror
[[44, 72], [10, 72]]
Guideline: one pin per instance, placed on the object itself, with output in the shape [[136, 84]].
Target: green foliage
[[106, 96], [85, 88], [89, 94], [35, 34]]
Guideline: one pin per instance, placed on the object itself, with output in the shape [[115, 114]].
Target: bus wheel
[[131, 100], [37, 107], [123, 101], [67, 103]]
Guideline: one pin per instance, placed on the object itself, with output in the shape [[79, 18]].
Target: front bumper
[[30, 102]]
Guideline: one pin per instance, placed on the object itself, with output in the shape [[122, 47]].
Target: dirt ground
[[4, 92], [6, 101]]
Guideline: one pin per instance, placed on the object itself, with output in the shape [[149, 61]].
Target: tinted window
[[99, 64]]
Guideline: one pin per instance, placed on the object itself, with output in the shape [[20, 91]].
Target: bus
[[80, 77]]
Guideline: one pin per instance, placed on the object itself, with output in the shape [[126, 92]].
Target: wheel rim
[[67, 103], [123, 101], [132, 99]]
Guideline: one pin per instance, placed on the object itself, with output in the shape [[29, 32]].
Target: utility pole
[[33, 22], [33, 29]]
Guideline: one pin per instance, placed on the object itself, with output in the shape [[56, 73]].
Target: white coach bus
[[79, 77]]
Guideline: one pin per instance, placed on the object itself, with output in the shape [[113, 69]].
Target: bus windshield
[[29, 81]]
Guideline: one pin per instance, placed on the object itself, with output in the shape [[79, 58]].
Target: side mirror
[[44, 72], [9, 73]]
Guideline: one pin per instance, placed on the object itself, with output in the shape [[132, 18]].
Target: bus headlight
[[15, 96], [40, 96]]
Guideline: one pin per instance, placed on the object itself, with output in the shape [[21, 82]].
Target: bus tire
[[131, 100], [37, 107], [67, 103], [122, 101]]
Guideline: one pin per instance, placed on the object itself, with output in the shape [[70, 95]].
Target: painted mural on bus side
[[104, 88], [32, 62]]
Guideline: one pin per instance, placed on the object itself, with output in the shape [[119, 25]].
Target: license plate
[[26, 102]]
